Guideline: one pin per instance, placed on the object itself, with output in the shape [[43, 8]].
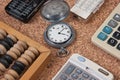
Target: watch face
[[59, 33]]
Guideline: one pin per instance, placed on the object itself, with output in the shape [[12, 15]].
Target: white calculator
[[81, 68], [107, 36], [84, 8]]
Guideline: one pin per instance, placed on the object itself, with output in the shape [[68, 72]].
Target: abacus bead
[[29, 53], [13, 73], [19, 48], [22, 60], [8, 58], [2, 67], [12, 37], [9, 41], [17, 69], [16, 51], [3, 79], [20, 65], [4, 62], [1, 36], [9, 77], [5, 44], [24, 44], [3, 32], [27, 58], [34, 50], [12, 54], [3, 50]]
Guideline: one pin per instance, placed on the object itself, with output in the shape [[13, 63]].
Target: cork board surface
[[82, 44]]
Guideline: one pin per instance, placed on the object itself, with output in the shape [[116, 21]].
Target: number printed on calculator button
[[112, 23], [102, 36], [112, 42], [116, 35], [117, 17], [118, 46], [63, 77], [107, 29], [85, 75], [70, 69]]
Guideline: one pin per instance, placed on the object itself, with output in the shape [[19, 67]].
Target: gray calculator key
[[85, 75], [81, 79], [63, 77], [79, 71], [93, 79], [74, 76], [112, 23], [70, 69], [117, 17]]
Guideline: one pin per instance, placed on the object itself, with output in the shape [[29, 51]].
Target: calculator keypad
[[72, 72], [23, 10], [108, 29]]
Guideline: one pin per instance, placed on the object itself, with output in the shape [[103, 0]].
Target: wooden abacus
[[22, 52]]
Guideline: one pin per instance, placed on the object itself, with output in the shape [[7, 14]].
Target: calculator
[[23, 9], [80, 68], [84, 8], [107, 36]]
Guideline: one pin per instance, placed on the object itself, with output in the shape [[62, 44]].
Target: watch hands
[[64, 34]]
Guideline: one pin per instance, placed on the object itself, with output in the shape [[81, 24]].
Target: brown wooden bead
[[23, 44], [12, 54], [3, 49], [22, 60], [16, 51], [12, 37], [1, 36], [28, 58], [3, 32], [9, 77], [34, 50], [2, 67], [3, 79], [21, 49], [30, 53], [13, 73]]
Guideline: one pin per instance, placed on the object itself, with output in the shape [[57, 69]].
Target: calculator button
[[81, 79], [70, 69], [118, 47], [112, 23], [63, 77], [85, 75], [102, 36], [119, 28], [81, 59], [107, 29], [116, 35], [117, 17], [13, 6], [79, 71], [74, 76], [16, 11], [93, 79], [112, 42]]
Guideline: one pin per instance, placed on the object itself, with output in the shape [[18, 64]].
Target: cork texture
[[82, 44]]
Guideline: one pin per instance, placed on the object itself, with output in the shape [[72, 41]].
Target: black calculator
[[24, 9]]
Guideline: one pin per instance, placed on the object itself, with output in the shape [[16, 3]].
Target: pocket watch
[[55, 10], [58, 34]]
